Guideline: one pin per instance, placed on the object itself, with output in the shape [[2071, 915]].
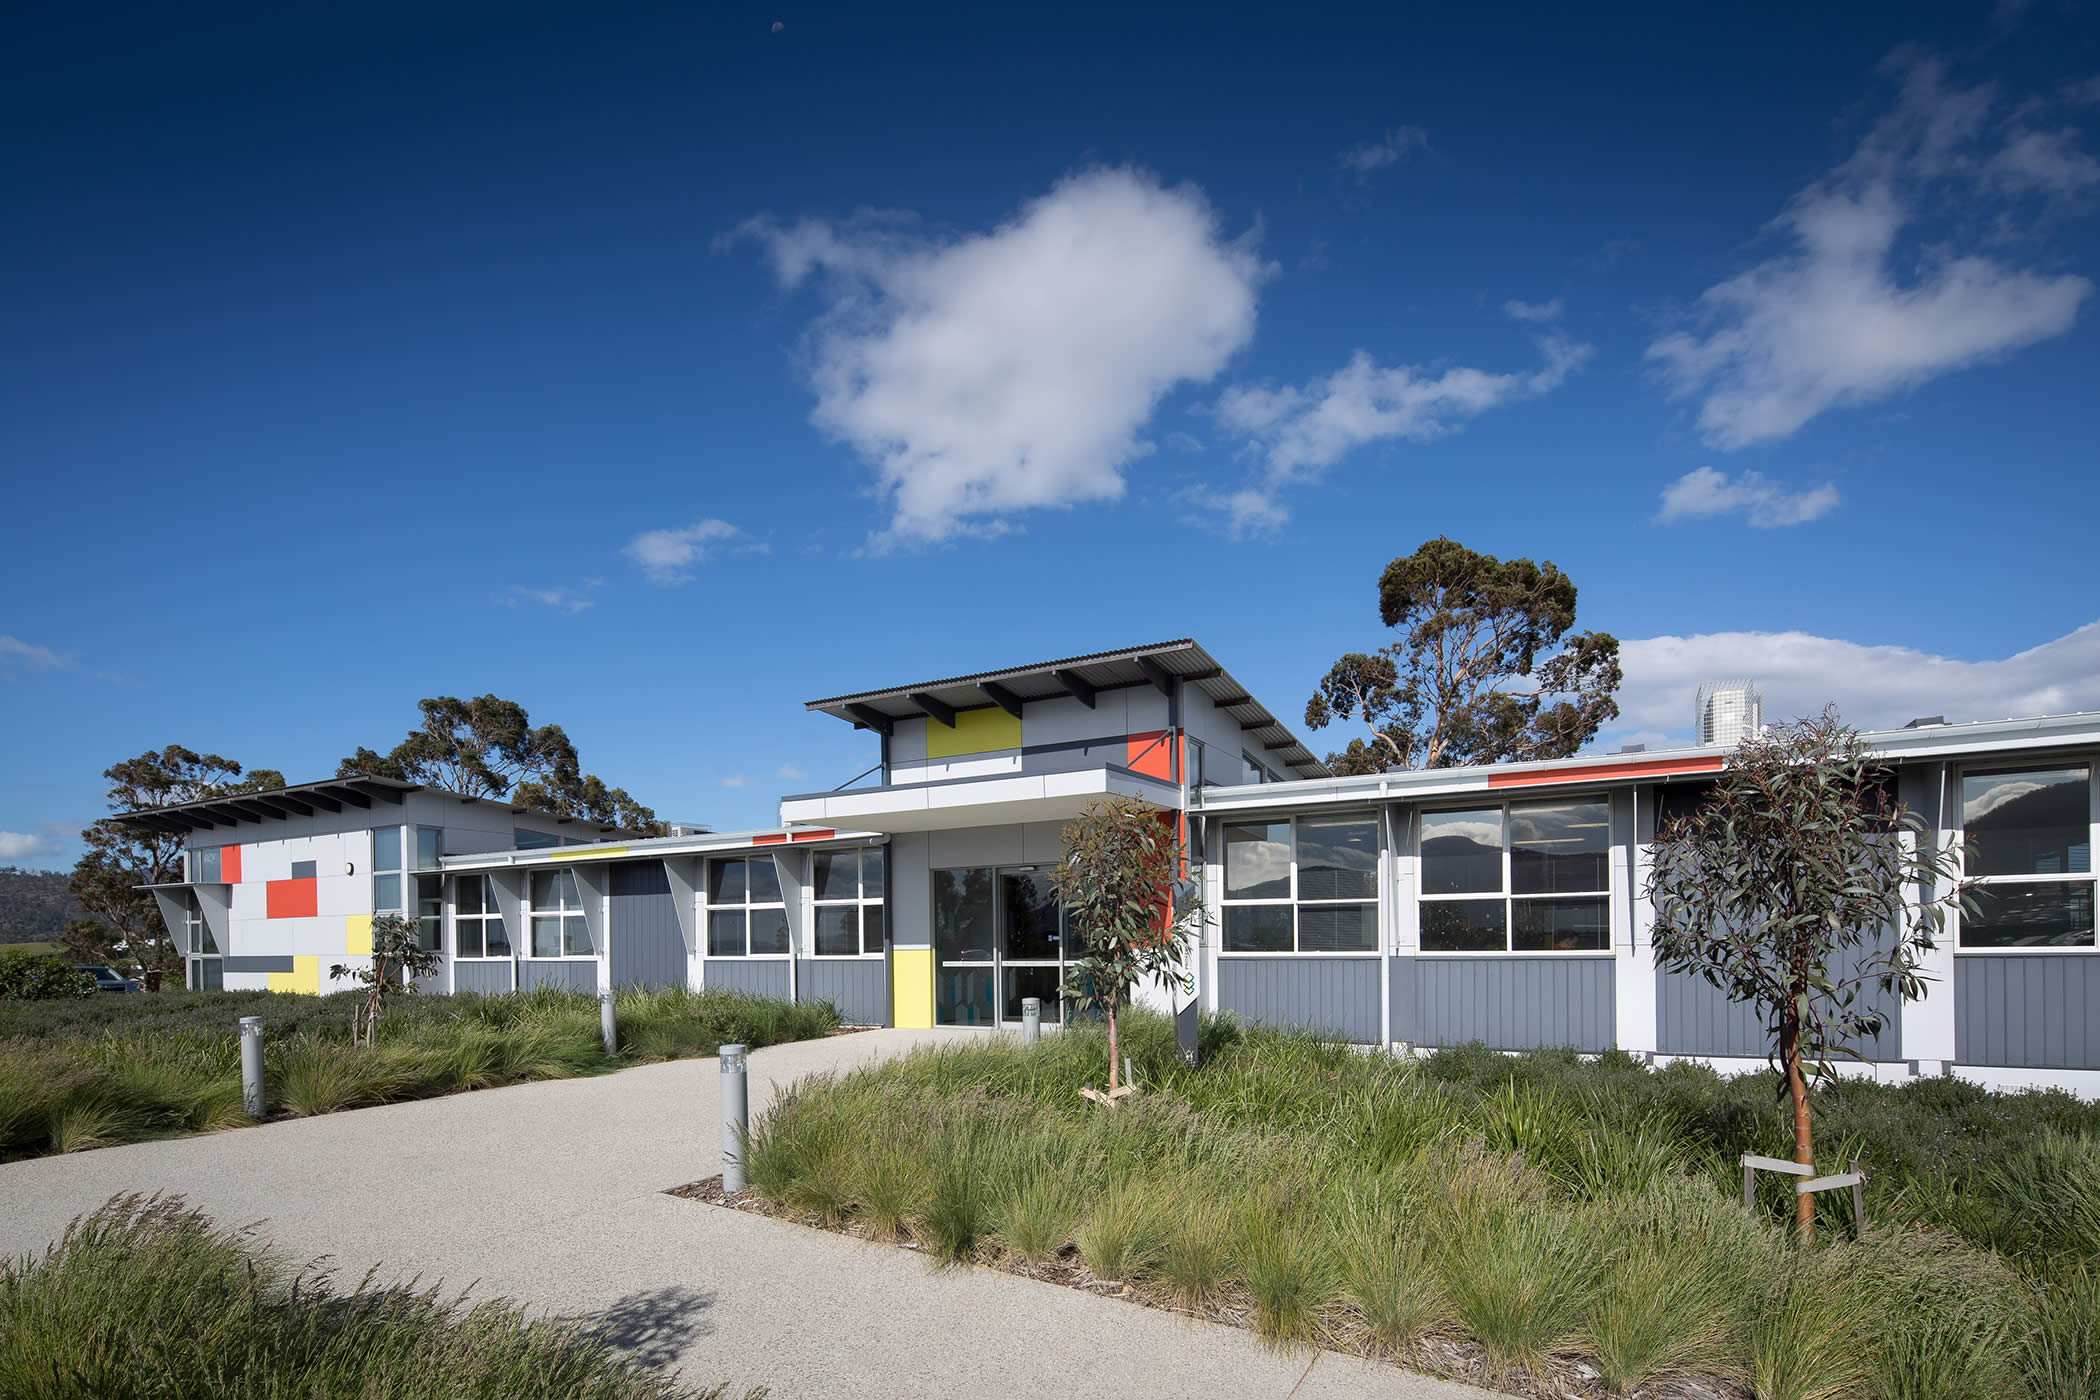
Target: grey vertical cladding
[[1336, 995], [1508, 1003], [2027, 1010], [647, 947], [1694, 1017], [855, 986], [491, 978], [569, 976], [765, 976]]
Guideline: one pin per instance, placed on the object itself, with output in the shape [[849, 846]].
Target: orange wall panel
[[1150, 754], [230, 864], [291, 899]]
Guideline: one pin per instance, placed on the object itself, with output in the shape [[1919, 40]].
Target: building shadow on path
[[655, 1327]]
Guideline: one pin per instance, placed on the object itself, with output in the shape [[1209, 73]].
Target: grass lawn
[[146, 1298], [1537, 1223], [111, 1069]]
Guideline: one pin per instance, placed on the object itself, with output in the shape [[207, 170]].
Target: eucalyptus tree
[[1121, 881], [1795, 886], [1474, 677]]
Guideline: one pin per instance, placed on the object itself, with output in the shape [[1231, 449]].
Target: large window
[[849, 903], [1304, 886], [1525, 877], [746, 916], [386, 870], [204, 865], [196, 933], [559, 929], [477, 924], [203, 969], [2027, 838], [430, 911]]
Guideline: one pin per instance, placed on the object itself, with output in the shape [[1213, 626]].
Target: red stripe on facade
[[291, 899], [230, 864], [1652, 768], [820, 835], [777, 838]]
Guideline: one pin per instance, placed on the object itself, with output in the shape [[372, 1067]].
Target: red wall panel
[[230, 864], [291, 899]]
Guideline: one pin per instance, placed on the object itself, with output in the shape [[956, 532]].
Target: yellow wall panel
[[911, 987], [606, 854], [357, 935], [975, 731], [305, 976]]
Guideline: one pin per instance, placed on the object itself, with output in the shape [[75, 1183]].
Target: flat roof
[[643, 848], [1986, 739], [1159, 665], [304, 799]]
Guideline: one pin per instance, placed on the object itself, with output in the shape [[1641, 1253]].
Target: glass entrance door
[[998, 938]]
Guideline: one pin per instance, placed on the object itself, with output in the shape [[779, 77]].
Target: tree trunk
[[1804, 1147], [1114, 1058]]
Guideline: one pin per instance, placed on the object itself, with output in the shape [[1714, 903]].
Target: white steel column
[[1633, 922], [1928, 1023]]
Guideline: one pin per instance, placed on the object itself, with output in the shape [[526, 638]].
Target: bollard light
[[736, 1117], [252, 1066], [606, 1026], [1031, 1020]]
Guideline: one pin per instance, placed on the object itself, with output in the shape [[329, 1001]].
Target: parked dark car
[[107, 978]]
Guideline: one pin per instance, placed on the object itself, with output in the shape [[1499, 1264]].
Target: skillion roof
[[1082, 678]]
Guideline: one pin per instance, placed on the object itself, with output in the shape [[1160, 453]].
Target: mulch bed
[[1449, 1356]]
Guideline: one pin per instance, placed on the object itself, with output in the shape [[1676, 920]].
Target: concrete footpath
[[552, 1195]]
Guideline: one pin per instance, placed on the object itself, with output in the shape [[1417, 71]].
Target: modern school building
[[1502, 904]]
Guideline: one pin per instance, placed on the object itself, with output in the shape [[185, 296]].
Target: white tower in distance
[[1727, 712]]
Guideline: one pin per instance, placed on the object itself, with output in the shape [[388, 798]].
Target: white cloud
[[560, 599], [789, 772], [1003, 371], [18, 846], [735, 780], [1873, 686], [1764, 503], [1855, 311], [1390, 149], [669, 556], [1299, 432], [36, 658], [1534, 311]]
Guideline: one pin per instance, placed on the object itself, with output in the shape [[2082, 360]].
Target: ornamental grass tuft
[[1532, 1211], [215, 1316], [79, 1075]]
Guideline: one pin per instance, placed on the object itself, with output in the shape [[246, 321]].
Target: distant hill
[[34, 904]]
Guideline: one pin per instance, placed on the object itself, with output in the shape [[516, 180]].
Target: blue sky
[[665, 368]]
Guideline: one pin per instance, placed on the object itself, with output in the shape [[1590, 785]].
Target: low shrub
[[40, 977], [146, 1298]]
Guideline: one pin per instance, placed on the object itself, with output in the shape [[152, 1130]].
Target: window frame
[[708, 908], [1294, 900], [861, 903], [1958, 831], [1507, 892], [560, 913], [398, 871], [491, 912]]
